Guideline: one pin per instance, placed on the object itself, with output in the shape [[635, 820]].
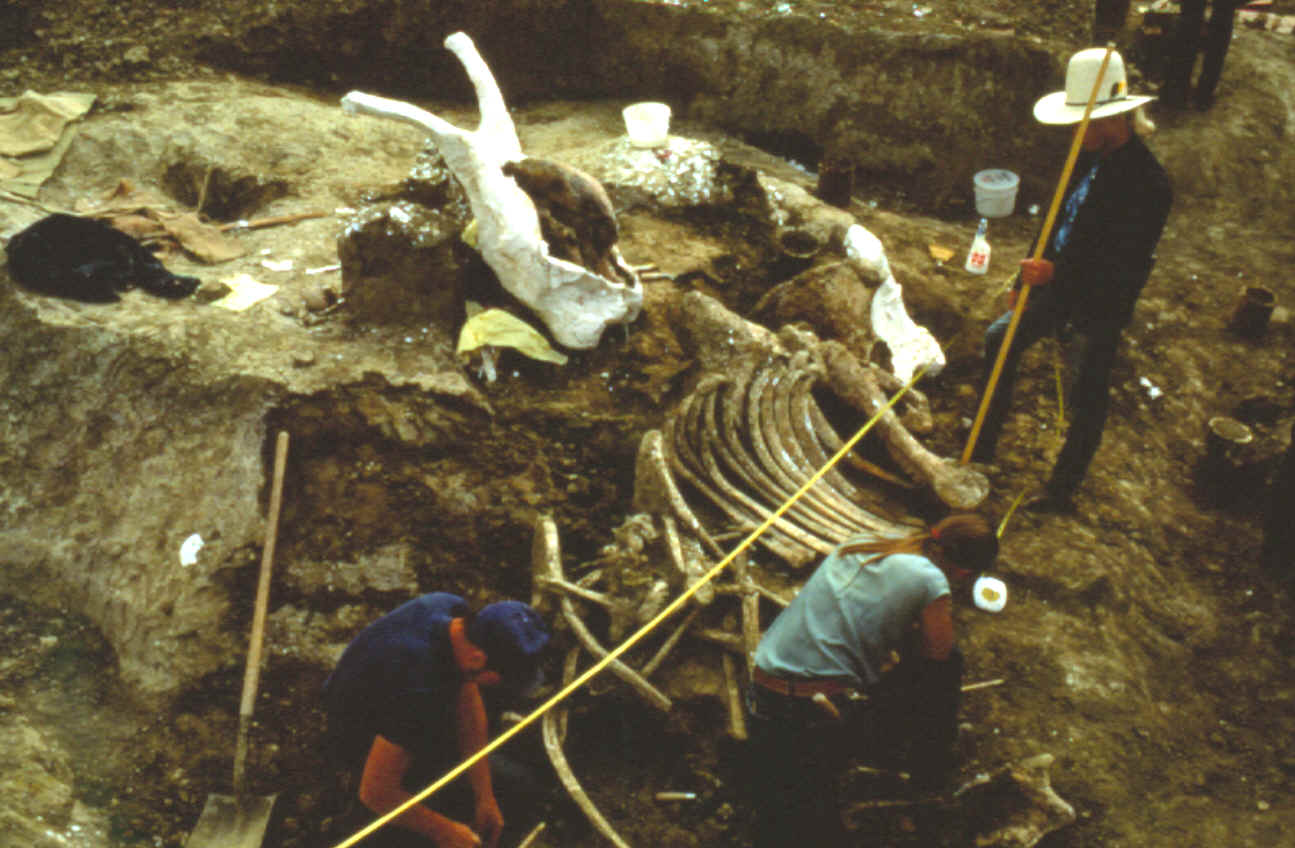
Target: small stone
[[211, 291], [1263, 806], [137, 55], [318, 298], [303, 359]]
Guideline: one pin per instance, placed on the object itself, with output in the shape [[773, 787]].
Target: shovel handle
[[252, 674]]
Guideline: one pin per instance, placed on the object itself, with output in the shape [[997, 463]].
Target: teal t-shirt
[[848, 617]]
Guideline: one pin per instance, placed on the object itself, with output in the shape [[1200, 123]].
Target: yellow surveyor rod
[[637, 636]]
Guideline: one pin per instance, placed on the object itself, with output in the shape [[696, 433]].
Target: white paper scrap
[[245, 292], [189, 549]]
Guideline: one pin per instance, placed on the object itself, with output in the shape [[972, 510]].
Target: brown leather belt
[[799, 688]]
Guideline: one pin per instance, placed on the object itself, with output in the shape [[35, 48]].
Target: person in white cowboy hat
[[1094, 266]]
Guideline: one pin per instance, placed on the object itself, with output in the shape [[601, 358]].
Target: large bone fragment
[[575, 303], [912, 347], [690, 567], [956, 485]]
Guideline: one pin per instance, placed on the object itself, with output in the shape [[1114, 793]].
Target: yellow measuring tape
[[637, 636]]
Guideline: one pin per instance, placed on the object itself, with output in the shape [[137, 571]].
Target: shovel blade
[[230, 822]]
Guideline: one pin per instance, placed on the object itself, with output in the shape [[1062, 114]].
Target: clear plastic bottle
[[978, 256]]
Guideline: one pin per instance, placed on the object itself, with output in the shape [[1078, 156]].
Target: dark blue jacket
[[399, 679], [1111, 244]]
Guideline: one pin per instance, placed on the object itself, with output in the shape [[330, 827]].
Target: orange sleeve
[[381, 790], [474, 731]]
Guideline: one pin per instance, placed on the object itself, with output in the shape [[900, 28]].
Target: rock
[[36, 793]]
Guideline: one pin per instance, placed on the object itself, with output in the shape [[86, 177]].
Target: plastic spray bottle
[[978, 256]]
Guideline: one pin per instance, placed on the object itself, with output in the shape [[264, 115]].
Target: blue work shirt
[[849, 616], [399, 679]]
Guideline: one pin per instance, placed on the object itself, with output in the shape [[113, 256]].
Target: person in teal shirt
[[862, 662]]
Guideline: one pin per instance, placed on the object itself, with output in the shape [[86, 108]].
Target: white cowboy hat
[[1067, 107]]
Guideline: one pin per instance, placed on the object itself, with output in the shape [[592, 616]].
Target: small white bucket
[[648, 124], [995, 192]]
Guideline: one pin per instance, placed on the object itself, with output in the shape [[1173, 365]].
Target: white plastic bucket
[[995, 192], [648, 124]]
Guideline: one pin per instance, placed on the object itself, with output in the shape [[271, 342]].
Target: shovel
[[240, 821]]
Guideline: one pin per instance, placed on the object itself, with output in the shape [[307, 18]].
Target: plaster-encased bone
[[576, 304], [912, 347]]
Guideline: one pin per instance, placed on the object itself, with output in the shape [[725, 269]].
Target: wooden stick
[[873, 805], [532, 836], [901, 775], [252, 673], [1039, 247], [272, 222], [202, 194], [984, 684]]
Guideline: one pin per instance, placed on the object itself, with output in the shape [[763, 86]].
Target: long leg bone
[[958, 486]]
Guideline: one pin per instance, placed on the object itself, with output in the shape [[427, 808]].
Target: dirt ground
[[1142, 646]]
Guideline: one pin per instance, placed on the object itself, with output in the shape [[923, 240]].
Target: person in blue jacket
[[861, 663], [1095, 265], [404, 707]]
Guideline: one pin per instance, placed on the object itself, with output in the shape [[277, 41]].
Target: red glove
[[1036, 272]]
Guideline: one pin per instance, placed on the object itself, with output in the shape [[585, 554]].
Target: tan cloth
[[35, 122], [34, 129]]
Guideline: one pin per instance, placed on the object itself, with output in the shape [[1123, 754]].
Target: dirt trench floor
[[1142, 645]]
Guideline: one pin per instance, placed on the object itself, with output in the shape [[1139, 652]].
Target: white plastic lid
[[990, 593]]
